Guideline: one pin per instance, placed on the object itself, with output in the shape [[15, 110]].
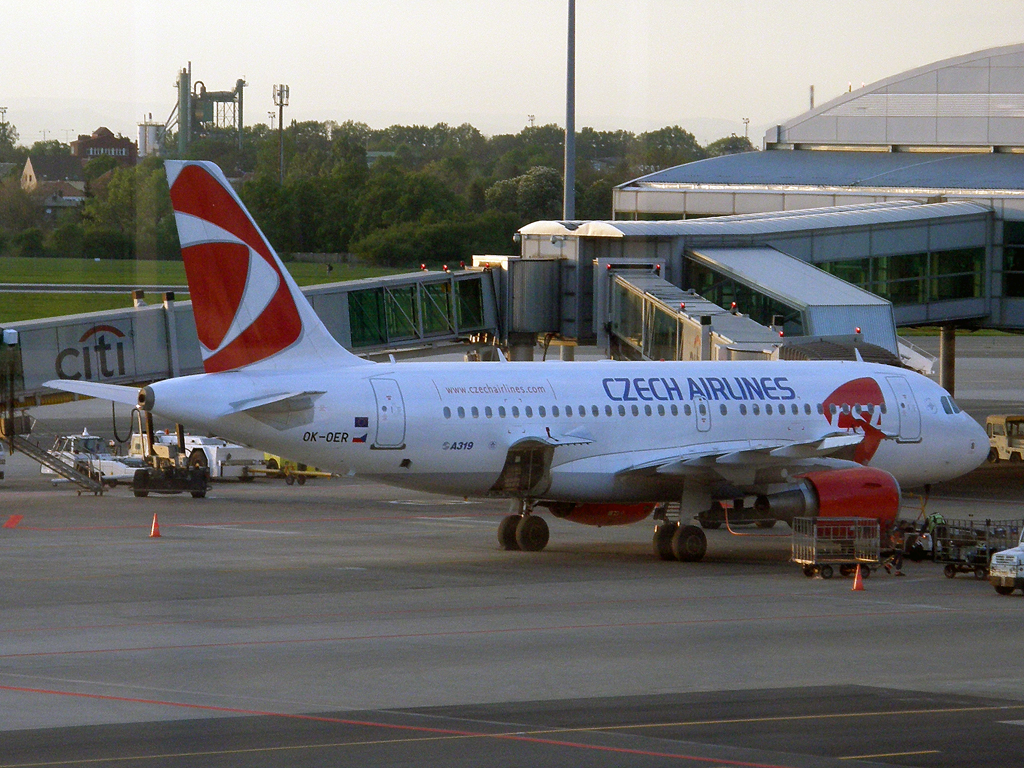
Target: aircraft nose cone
[[977, 439]]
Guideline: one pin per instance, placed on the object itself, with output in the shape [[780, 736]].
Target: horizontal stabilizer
[[284, 410], [281, 402], [115, 392]]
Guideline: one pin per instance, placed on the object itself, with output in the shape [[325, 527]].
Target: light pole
[[746, 128], [569, 192], [281, 101]]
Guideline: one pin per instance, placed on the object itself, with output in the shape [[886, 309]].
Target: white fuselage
[[448, 427]]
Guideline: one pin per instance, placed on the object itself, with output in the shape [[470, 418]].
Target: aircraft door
[[702, 412], [906, 408], [390, 414]]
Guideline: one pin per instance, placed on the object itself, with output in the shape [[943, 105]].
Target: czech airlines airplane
[[599, 443]]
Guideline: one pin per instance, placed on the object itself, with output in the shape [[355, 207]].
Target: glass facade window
[[1013, 258], [917, 278]]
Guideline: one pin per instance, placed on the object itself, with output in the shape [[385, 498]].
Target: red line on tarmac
[[13, 520], [518, 737], [459, 633]]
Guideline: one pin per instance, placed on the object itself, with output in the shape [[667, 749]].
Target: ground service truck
[[1006, 571]]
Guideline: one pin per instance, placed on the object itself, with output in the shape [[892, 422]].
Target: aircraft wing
[[740, 461], [115, 392]]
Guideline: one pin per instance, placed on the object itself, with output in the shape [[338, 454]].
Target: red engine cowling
[[855, 492], [601, 514]]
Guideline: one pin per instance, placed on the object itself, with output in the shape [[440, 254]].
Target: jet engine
[[855, 492], [601, 514]]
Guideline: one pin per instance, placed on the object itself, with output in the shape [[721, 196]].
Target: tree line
[[396, 196]]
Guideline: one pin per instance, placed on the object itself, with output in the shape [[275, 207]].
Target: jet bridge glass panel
[[470, 304], [367, 317], [763, 309], [627, 315], [437, 308]]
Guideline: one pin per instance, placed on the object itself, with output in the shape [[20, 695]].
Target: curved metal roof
[[974, 100], [789, 221], [836, 168]]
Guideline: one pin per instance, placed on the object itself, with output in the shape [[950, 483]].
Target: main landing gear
[[523, 530], [673, 541]]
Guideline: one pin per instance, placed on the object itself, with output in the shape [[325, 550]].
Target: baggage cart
[[823, 544], [967, 546]]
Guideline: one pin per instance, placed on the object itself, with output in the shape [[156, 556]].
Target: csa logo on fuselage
[[866, 418]]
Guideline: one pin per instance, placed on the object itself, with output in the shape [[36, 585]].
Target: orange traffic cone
[[154, 532], [858, 582]]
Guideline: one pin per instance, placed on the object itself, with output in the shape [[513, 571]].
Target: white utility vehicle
[[1006, 570], [90, 456]]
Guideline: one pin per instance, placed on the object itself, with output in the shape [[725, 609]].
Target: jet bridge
[[651, 319], [405, 315]]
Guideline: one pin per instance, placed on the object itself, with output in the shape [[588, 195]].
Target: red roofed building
[[104, 142]]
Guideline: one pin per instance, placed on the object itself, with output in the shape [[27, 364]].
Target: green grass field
[[30, 306]]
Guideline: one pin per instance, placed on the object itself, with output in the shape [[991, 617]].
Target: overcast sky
[[69, 67]]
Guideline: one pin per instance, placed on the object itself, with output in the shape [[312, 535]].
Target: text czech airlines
[[702, 388]]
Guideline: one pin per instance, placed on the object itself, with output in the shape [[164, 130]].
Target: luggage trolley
[[967, 546], [821, 544]]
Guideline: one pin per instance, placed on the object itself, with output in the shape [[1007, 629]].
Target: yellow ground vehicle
[[290, 471], [1006, 438]]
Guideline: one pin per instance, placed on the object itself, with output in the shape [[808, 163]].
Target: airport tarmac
[[347, 623]]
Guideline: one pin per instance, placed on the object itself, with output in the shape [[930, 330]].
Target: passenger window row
[[580, 411]]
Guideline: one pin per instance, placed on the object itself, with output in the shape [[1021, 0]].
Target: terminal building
[[944, 141]]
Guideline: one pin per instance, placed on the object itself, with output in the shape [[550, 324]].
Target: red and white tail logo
[[247, 307]]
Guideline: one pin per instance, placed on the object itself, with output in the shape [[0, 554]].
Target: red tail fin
[[247, 307]]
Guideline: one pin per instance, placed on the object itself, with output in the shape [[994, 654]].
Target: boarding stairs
[[14, 430]]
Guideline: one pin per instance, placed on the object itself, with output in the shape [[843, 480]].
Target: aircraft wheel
[[689, 544], [507, 532], [532, 533], [663, 540]]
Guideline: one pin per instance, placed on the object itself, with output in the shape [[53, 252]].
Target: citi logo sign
[[96, 358]]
